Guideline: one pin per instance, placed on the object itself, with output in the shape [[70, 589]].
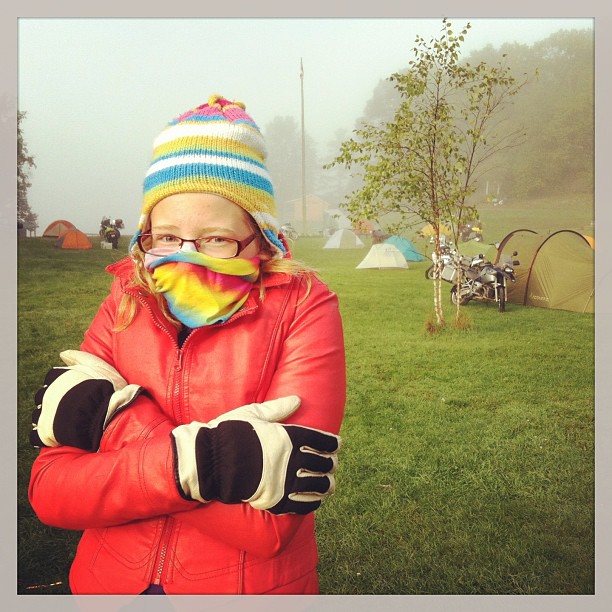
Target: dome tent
[[344, 239], [407, 248], [556, 271], [383, 255], [73, 239], [57, 228], [428, 230]]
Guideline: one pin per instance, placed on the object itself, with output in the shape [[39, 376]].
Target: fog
[[97, 91]]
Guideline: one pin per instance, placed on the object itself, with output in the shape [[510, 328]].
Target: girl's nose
[[188, 246]]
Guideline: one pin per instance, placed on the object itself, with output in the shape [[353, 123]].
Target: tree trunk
[[459, 281], [438, 309], [438, 300]]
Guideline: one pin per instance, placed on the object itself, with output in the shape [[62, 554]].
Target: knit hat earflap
[[215, 148]]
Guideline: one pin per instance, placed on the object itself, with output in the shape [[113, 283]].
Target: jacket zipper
[[162, 551], [168, 521], [164, 540]]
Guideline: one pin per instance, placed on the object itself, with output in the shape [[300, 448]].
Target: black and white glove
[[77, 402], [246, 456]]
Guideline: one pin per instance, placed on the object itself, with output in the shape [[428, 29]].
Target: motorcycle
[[446, 257], [469, 232], [109, 230], [481, 280], [289, 231]]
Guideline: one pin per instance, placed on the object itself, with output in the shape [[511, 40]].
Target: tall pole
[[304, 222]]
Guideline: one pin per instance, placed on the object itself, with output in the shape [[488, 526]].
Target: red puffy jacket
[[138, 530]]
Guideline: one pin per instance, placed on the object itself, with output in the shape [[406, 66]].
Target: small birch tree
[[424, 165]]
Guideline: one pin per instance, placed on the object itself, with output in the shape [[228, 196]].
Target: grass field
[[546, 215], [467, 464]]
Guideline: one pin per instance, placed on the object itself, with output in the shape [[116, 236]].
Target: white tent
[[383, 255], [344, 239]]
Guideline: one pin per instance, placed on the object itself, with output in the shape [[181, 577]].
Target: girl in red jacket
[[194, 433]]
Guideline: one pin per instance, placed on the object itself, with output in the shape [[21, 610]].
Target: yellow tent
[[590, 240], [429, 230]]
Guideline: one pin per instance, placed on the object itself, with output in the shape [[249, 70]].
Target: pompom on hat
[[215, 148]]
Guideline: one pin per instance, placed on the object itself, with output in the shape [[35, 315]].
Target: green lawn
[[467, 463], [563, 211]]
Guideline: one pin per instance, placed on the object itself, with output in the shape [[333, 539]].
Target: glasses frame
[[240, 244]]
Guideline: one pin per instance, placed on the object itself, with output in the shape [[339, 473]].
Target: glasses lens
[[145, 242], [219, 247], [162, 243]]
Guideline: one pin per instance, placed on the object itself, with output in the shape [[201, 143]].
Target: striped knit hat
[[215, 148]]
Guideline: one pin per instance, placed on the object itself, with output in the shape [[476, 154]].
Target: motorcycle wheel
[[462, 302], [501, 301], [112, 236], [430, 273]]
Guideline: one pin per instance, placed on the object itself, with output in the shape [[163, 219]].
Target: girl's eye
[[217, 240], [167, 239]]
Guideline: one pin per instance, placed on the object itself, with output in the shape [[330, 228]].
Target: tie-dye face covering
[[202, 290]]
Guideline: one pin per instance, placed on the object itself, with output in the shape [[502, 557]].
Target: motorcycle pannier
[[449, 274]]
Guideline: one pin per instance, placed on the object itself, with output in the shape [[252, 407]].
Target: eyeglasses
[[215, 246]]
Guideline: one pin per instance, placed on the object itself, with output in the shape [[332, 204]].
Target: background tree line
[[555, 111]]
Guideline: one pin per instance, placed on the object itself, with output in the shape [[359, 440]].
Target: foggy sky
[[97, 91]]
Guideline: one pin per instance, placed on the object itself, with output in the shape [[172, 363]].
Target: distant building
[[26, 229], [315, 214]]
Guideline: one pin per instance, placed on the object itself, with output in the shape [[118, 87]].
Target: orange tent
[[73, 239], [364, 226], [57, 228]]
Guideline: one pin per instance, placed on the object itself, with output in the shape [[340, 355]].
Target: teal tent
[[406, 247]]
